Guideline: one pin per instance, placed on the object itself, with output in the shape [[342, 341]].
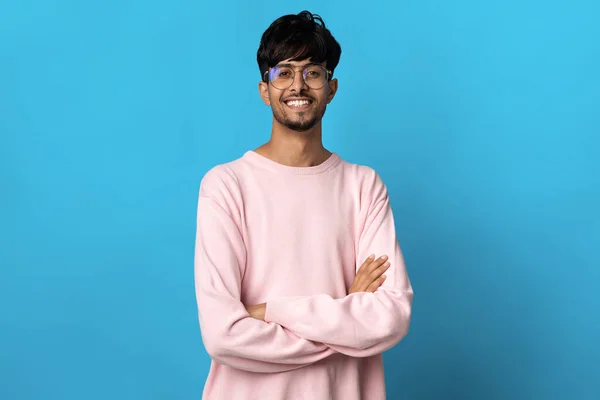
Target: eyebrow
[[300, 66]]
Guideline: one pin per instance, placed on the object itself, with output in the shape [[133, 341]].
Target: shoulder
[[222, 185], [219, 178], [368, 182]]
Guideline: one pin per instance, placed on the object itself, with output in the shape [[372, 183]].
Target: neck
[[295, 149]]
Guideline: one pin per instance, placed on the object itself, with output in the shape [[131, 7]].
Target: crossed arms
[[293, 332]]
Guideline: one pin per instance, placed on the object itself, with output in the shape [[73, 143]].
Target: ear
[[333, 87], [263, 91]]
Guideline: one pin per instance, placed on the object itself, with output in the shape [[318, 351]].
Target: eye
[[313, 72], [282, 73]]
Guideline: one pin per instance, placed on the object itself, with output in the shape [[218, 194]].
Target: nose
[[299, 83]]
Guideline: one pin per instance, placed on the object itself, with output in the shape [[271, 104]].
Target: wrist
[[263, 312]]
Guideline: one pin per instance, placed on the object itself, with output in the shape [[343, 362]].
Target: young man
[[291, 304]]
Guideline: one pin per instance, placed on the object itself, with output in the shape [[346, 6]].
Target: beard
[[302, 122]]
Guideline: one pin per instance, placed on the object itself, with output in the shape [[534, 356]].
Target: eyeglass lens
[[315, 76]]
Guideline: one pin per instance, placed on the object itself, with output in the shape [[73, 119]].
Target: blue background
[[482, 117]]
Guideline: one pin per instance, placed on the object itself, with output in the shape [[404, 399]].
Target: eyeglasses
[[282, 76]]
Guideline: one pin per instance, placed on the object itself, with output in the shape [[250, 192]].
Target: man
[[286, 309]]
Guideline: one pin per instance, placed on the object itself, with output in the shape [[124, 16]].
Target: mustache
[[299, 96]]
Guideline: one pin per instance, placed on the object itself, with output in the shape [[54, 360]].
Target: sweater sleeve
[[361, 324], [230, 335]]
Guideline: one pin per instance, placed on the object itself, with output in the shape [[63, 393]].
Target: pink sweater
[[293, 238]]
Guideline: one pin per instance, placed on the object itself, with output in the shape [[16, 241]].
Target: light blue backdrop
[[482, 117]]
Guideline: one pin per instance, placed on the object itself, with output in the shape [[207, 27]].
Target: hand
[[370, 275], [257, 311]]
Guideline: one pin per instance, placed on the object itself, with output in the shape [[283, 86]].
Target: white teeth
[[298, 103]]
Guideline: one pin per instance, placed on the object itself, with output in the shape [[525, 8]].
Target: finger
[[377, 273], [367, 262], [363, 277], [380, 270], [376, 264], [376, 283], [362, 282]]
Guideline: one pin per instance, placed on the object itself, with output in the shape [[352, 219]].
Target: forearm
[[359, 325], [247, 343]]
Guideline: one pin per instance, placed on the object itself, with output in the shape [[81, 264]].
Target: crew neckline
[[261, 160]]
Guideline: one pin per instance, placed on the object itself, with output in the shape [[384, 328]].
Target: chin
[[301, 129], [299, 122], [301, 126]]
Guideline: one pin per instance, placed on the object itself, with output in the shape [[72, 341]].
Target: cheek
[[276, 101], [323, 99]]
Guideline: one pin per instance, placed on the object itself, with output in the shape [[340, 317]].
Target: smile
[[298, 104]]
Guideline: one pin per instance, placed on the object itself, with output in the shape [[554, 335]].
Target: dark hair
[[298, 37]]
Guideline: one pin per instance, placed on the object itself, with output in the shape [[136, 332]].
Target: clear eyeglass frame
[[315, 85]]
